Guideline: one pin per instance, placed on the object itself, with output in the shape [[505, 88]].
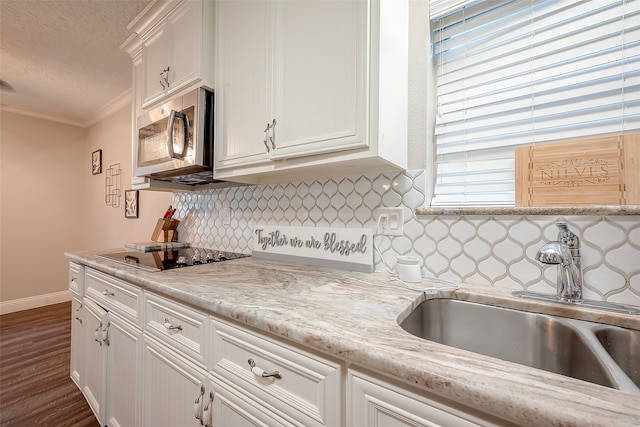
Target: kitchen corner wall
[[491, 250]]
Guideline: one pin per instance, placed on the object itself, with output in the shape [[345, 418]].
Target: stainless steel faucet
[[565, 252]]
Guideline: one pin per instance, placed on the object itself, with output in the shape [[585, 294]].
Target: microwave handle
[[172, 119]]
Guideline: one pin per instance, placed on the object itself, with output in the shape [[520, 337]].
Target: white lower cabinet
[[123, 370], [77, 333], [93, 379], [374, 401], [175, 390], [106, 351], [286, 381], [110, 366], [76, 287], [189, 368]]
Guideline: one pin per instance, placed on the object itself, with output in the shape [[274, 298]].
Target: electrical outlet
[[389, 221], [226, 216]]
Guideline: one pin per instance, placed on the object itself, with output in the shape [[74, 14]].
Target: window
[[519, 72]]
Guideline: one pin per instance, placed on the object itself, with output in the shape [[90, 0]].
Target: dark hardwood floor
[[35, 387]]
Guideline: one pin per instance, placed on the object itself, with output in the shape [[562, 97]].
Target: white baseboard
[[34, 302]]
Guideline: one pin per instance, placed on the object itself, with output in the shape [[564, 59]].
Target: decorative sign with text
[[345, 248]]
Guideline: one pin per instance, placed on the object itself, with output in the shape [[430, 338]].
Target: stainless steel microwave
[[175, 140]]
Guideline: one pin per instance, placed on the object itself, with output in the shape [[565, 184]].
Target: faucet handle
[[567, 237]]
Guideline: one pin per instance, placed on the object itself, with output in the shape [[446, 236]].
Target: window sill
[[532, 210]]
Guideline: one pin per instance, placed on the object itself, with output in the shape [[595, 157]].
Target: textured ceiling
[[63, 57]]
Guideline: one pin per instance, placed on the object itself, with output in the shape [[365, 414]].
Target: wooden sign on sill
[[600, 171]]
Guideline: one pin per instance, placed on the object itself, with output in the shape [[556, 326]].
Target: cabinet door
[[374, 402], [243, 82], [123, 366], [186, 46], [233, 409], [77, 336], [155, 59], [320, 71], [170, 386], [94, 354]]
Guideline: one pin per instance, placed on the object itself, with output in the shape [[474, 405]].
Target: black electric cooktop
[[171, 258]]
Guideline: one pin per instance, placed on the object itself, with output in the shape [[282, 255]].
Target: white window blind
[[518, 72]]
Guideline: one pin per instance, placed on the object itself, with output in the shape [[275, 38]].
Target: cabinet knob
[[108, 293]]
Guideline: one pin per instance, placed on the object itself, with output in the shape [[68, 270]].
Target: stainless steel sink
[[563, 346], [623, 345]]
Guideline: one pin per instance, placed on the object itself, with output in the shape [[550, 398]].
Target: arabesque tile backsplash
[[486, 249]]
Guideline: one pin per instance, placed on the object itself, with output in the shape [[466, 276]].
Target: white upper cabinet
[[243, 82], [320, 80], [175, 40], [299, 87]]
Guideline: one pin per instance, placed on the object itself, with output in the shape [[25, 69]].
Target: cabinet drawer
[[76, 279], [114, 294], [182, 328], [233, 409], [307, 389]]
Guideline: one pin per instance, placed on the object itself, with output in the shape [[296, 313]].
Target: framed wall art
[[96, 162], [131, 204]]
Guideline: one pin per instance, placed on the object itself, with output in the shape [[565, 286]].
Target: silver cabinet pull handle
[[78, 318], [108, 293], [266, 137], [197, 405], [97, 334], [207, 413], [272, 134], [105, 335], [259, 372], [170, 326], [166, 76]]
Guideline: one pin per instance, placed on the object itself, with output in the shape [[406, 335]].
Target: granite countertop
[[354, 317]]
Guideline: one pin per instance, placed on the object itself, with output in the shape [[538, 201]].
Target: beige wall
[[41, 199], [51, 203]]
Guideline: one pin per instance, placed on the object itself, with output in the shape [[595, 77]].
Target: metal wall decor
[[112, 190]]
